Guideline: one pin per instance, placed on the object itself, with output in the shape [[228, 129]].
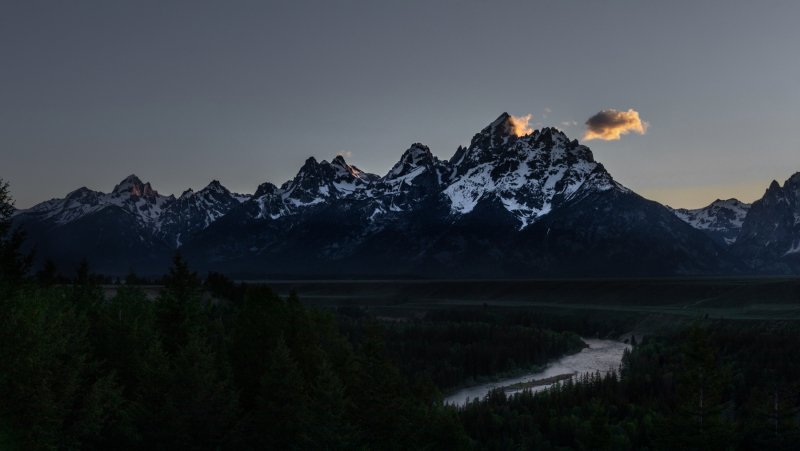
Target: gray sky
[[181, 93]]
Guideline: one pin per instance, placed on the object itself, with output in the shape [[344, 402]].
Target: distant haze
[[181, 93]]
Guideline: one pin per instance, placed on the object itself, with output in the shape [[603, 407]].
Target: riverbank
[[601, 356]]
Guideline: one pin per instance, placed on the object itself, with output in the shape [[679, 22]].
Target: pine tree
[[700, 392], [14, 263], [86, 293], [330, 428], [255, 332], [48, 275], [281, 418], [178, 306]]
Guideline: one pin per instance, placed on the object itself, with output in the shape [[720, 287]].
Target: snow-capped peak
[[318, 181], [347, 170], [529, 175], [722, 219], [131, 195], [417, 175]]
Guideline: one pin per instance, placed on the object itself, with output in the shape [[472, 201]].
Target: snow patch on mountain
[[723, 216], [795, 249]]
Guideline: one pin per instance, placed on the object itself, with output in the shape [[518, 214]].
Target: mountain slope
[[194, 211], [770, 236]]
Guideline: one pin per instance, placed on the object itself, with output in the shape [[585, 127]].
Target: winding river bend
[[601, 355]]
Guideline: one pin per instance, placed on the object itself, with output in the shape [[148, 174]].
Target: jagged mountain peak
[[417, 151], [343, 169], [792, 186], [335, 168], [771, 231], [728, 202], [317, 181], [132, 179], [788, 193], [216, 187], [128, 182], [550, 135], [486, 144], [417, 157], [499, 140], [133, 186], [265, 189], [530, 175], [774, 194], [503, 125]]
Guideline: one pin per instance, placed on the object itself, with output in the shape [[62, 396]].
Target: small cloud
[[345, 153], [547, 112], [566, 124], [520, 124], [611, 124]]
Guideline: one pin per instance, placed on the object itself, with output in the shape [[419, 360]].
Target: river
[[600, 355]]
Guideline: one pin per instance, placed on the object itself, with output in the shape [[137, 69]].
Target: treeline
[[714, 386], [452, 354], [51, 274], [598, 324]]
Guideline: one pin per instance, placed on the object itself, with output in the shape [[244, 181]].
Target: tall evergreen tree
[[178, 306], [48, 275], [14, 263], [281, 418]]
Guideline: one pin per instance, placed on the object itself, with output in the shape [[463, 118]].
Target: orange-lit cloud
[[610, 125], [520, 124]]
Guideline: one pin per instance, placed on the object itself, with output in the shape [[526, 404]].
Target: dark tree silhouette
[[14, 263]]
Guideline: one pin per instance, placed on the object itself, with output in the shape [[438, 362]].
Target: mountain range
[[536, 205]]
